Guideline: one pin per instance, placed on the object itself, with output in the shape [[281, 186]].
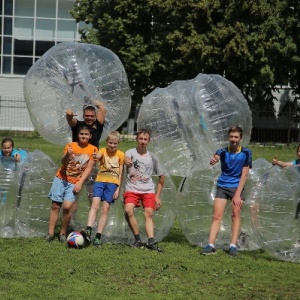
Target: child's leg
[[219, 207], [236, 223], [66, 216], [149, 224], [129, 210], [53, 217], [103, 216], [93, 211]]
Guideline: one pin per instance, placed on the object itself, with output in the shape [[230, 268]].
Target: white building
[[29, 28]]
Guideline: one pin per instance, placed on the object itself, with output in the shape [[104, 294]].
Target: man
[[91, 118]]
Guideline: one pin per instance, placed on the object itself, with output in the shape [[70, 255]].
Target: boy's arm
[[236, 200], [116, 194], [281, 164], [101, 113], [70, 118], [65, 158], [159, 188], [84, 176]]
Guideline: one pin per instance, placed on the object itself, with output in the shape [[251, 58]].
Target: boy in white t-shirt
[[140, 188]]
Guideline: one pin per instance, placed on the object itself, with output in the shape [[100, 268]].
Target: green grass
[[31, 268]]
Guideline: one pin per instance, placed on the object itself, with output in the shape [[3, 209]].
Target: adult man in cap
[[93, 117]]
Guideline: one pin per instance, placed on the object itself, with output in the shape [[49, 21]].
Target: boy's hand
[[96, 155], [77, 187], [127, 161], [157, 203], [70, 150], [214, 160], [237, 201], [275, 161], [17, 157]]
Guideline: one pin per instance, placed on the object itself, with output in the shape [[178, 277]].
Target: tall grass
[[31, 268]]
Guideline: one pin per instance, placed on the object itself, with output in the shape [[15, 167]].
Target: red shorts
[[148, 200]]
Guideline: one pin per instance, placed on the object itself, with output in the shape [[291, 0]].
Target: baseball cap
[[89, 105]]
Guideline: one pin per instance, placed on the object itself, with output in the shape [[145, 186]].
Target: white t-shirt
[[139, 178]]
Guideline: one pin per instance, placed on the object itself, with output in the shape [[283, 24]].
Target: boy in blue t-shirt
[[235, 164]]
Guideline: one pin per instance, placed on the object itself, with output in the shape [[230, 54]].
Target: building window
[[22, 65], [23, 47], [6, 65], [31, 28], [42, 47]]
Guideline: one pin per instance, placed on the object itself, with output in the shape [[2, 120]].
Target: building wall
[[28, 29]]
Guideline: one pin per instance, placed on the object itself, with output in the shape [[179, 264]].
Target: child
[[235, 164], [282, 164], [77, 163], [107, 185], [8, 149], [140, 187]]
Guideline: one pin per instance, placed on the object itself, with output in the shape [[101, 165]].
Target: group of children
[[78, 161], [80, 157]]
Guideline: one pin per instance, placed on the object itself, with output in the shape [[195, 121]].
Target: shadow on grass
[[175, 235]]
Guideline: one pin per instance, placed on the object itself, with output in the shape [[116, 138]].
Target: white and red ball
[[75, 240]]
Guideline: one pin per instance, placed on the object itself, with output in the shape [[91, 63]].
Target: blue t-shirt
[[296, 162], [232, 165], [21, 152], [12, 154]]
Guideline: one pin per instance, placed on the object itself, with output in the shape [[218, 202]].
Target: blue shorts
[[62, 190], [105, 191]]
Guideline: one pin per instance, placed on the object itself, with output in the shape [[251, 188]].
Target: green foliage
[[255, 43]]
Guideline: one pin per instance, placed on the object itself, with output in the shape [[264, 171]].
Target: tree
[[254, 43]]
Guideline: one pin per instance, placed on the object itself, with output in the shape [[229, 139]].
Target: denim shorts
[[62, 190]]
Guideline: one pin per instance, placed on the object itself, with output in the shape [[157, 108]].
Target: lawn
[[34, 269]]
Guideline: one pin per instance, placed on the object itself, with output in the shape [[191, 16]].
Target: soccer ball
[[75, 240]]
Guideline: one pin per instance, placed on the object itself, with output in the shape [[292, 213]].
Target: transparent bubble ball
[[69, 75], [274, 212], [189, 120]]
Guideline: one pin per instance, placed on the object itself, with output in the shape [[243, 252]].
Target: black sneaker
[[62, 238], [86, 233], [154, 247], [49, 238], [138, 244], [97, 242]]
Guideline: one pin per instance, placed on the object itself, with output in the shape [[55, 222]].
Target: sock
[[232, 245], [98, 235], [137, 237], [151, 241], [89, 228], [212, 245]]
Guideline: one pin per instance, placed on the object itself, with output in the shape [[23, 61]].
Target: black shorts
[[227, 193]]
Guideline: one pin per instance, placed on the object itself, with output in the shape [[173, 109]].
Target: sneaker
[[154, 247], [62, 238], [97, 242], [233, 251], [86, 233], [208, 250], [49, 238], [138, 244]]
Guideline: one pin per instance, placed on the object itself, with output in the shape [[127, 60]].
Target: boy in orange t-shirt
[[77, 163]]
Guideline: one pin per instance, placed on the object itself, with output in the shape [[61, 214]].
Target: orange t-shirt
[[77, 163]]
